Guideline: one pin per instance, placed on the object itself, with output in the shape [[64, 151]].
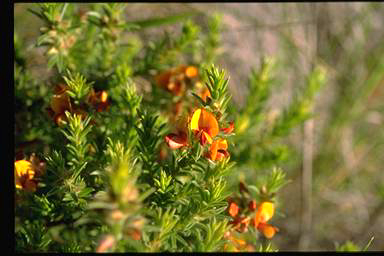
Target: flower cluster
[[246, 211], [205, 128], [177, 80], [26, 172], [61, 102], [202, 123]]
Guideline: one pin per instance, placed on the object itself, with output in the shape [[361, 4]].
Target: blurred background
[[336, 193]]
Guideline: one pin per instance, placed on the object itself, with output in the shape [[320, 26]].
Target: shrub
[[136, 145]]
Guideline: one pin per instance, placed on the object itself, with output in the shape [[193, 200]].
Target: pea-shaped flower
[[204, 125]]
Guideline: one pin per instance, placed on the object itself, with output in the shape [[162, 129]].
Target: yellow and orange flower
[[218, 150], [204, 125], [268, 230], [174, 80], [264, 213], [99, 100], [24, 176], [257, 215], [26, 172], [61, 103]]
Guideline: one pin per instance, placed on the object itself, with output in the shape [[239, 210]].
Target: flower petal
[[24, 168], [252, 205], [229, 129], [191, 71], [208, 123], [204, 94], [217, 150], [60, 103], [268, 230], [175, 141], [163, 79], [24, 174], [266, 210], [204, 138], [233, 209], [195, 120]]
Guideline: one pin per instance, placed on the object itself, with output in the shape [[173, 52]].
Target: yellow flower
[[204, 125], [264, 213], [24, 176]]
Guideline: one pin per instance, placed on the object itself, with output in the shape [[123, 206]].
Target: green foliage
[[218, 88], [350, 246], [300, 108], [78, 87]]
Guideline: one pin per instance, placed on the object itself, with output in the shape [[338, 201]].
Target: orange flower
[[163, 79], [218, 150], [204, 125], [191, 71], [175, 80], [233, 209], [59, 104], [134, 233], [24, 175], [175, 141], [204, 94], [229, 129], [234, 244], [99, 100], [268, 230], [264, 213]]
